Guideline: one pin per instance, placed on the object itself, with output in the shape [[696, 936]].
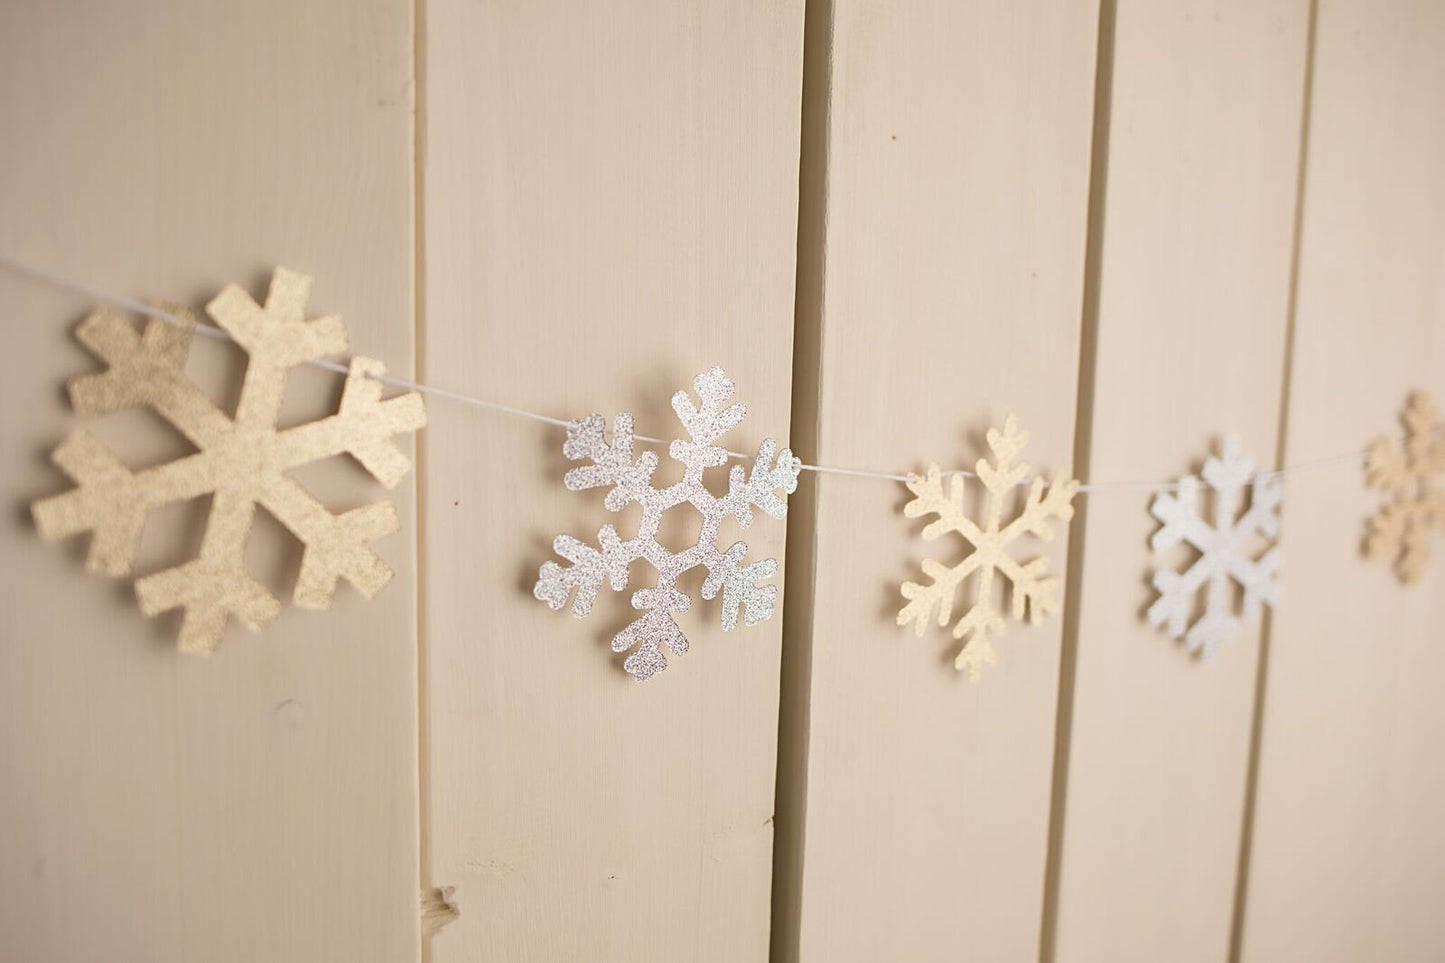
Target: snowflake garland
[[630, 478], [1413, 479], [1033, 591], [1223, 546], [241, 460]]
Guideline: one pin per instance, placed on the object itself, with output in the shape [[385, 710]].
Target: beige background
[[1137, 224]]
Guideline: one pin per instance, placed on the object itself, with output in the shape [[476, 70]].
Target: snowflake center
[[251, 453], [1224, 541]]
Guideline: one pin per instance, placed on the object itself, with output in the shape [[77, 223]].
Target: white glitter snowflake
[[631, 481], [1224, 549]]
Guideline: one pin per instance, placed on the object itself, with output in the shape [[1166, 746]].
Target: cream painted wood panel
[[1195, 225], [258, 804], [1348, 857], [957, 143], [610, 208]]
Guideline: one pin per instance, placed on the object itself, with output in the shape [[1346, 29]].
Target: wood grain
[[955, 191], [260, 803], [603, 200], [1195, 231], [610, 205], [1348, 857]]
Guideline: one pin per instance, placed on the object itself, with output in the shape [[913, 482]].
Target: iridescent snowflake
[[630, 478]]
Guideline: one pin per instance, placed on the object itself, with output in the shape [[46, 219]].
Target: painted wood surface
[[955, 191], [610, 199], [259, 803], [1194, 233], [1348, 856], [1235, 225]]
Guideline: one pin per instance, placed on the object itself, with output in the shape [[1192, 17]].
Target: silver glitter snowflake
[[631, 481], [1224, 549]]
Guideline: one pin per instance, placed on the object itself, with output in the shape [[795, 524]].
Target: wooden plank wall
[[956, 188], [1194, 232], [1348, 855], [610, 200], [259, 804], [1139, 225]]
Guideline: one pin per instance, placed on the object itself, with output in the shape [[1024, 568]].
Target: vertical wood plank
[[1348, 856], [1195, 225], [952, 238], [260, 803], [610, 207]]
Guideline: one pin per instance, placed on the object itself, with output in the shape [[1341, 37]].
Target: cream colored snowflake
[[1033, 591], [243, 461], [1414, 479]]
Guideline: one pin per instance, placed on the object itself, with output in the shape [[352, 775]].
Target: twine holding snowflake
[[631, 481], [1413, 477], [241, 461], [1034, 592]]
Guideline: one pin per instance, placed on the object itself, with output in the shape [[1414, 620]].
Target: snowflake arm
[[335, 546], [1425, 434], [363, 427], [647, 636], [276, 335], [1266, 499], [930, 499], [587, 572], [214, 586], [1179, 511], [981, 625], [145, 369], [612, 464], [746, 491], [1005, 471], [1261, 583], [738, 584], [112, 501], [1387, 469], [1394, 534], [1034, 593], [1041, 510], [707, 422], [108, 502]]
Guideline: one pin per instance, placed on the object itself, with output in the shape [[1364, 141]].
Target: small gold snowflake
[[1033, 592], [1411, 477]]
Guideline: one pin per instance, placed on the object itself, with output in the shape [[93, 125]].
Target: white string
[[139, 307]]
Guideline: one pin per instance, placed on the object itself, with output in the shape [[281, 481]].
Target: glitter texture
[[1032, 590], [242, 461], [630, 478], [1413, 477], [1223, 549]]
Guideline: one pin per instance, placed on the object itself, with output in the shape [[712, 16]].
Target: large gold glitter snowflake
[[242, 460]]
